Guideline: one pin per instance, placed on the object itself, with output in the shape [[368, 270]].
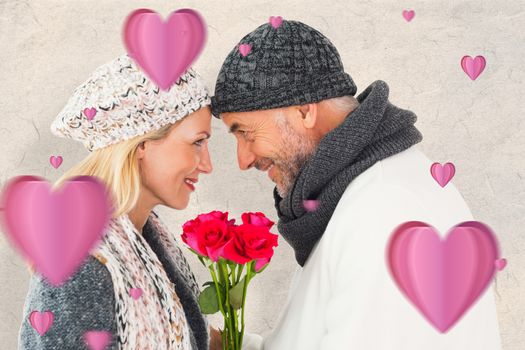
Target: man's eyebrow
[[235, 126]]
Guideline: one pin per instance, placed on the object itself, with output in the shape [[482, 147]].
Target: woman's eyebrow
[[205, 132]]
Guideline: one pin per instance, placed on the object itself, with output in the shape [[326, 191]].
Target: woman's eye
[[199, 142]]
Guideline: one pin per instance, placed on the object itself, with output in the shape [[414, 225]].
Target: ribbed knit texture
[[375, 130], [290, 65], [179, 273]]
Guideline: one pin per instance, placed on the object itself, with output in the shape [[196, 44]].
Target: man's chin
[[280, 191]]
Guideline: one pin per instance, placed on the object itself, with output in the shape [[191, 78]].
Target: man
[[347, 172]]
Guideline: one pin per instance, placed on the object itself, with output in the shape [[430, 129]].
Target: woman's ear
[[141, 150]]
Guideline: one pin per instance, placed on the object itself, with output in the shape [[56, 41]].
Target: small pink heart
[[90, 113], [135, 293], [41, 321], [55, 161], [500, 263], [408, 14], [276, 21], [245, 49], [442, 173], [97, 340], [473, 66], [311, 204]]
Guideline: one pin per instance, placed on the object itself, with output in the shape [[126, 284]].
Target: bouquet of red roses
[[234, 254]]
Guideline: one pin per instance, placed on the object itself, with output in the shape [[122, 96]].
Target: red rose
[[215, 215], [257, 219], [207, 237], [250, 242]]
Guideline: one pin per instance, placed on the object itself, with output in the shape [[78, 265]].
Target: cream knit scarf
[[156, 320]]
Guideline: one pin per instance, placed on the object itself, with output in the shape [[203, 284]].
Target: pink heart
[[245, 49], [55, 230], [90, 113], [55, 161], [500, 263], [311, 204], [164, 50], [41, 321], [473, 66], [276, 21], [408, 14], [442, 278], [442, 173], [97, 340], [135, 293]]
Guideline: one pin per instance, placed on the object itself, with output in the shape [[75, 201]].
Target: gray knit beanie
[[280, 65]]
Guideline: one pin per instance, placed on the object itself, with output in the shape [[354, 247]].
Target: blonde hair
[[117, 167]]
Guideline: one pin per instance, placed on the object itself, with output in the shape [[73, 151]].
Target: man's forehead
[[234, 121], [251, 119]]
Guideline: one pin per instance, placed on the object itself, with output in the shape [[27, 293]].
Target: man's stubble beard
[[295, 151]]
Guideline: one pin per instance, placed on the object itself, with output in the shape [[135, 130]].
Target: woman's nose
[[205, 163]]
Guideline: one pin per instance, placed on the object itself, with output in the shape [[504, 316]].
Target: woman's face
[[166, 165]]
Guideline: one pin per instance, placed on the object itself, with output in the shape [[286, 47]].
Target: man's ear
[[308, 115]]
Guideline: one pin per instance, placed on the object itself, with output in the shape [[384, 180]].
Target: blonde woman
[[149, 147]]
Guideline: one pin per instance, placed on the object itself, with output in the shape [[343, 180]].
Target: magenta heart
[[97, 340], [408, 15], [276, 21], [311, 204], [442, 173], [473, 66], [55, 230], [245, 49], [41, 321], [135, 293], [442, 278], [90, 113], [55, 161], [500, 264], [164, 50]]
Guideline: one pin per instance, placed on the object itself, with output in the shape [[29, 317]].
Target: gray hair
[[344, 104]]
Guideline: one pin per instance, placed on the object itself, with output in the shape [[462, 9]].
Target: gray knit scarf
[[375, 130]]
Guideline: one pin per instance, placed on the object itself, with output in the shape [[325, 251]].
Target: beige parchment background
[[50, 47]]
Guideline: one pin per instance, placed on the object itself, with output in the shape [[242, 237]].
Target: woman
[[149, 147]]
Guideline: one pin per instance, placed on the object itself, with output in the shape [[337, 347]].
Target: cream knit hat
[[119, 102]]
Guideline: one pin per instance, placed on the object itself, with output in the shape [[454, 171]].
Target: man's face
[[267, 140]]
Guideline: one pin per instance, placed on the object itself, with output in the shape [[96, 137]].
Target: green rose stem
[[240, 269], [232, 268], [231, 329], [214, 277], [246, 281]]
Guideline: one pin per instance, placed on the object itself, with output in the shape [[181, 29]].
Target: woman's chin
[[179, 203]]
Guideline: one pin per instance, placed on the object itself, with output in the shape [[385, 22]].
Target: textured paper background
[[50, 47]]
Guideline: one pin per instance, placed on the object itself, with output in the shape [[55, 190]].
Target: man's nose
[[245, 156]]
